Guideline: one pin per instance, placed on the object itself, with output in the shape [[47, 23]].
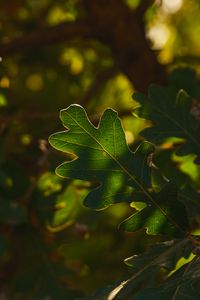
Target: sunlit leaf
[[154, 218], [102, 155]]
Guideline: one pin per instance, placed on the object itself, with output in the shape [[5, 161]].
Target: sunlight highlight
[[159, 35], [171, 6]]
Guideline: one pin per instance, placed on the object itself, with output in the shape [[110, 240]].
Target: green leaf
[[182, 285], [169, 168], [164, 255], [185, 78], [172, 116], [154, 218], [191, 199], [102, 155], [146, 267], [58, 203]]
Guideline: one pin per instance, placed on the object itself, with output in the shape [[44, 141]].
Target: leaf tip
[[71, 107], [146, 148], [111, 111]]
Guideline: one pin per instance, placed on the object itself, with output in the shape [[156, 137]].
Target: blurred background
[[95, 53]]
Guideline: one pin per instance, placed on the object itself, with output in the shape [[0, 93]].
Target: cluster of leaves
[[54, 53], [164, 203]]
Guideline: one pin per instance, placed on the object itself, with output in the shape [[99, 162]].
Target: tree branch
[[121, 29], [112, 23], [46, 36]]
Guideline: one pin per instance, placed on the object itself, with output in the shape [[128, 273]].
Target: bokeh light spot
[[171, 6], [34, 82]]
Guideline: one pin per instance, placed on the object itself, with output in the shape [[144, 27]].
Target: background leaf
[[171, 114], [181, 285]]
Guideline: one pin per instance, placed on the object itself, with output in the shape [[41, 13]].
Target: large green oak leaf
[[101, 154]]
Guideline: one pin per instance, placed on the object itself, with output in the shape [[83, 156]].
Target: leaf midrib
[[171, 220]]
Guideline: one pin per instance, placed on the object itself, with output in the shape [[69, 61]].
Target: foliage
[[58, 236], [100, 154]]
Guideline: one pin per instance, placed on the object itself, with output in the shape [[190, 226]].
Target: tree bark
[[123, 31]]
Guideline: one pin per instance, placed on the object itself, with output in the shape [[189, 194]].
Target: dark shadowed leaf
[[191, 199], [146, 267], [172, 116], [185, 78], [182, 285]]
